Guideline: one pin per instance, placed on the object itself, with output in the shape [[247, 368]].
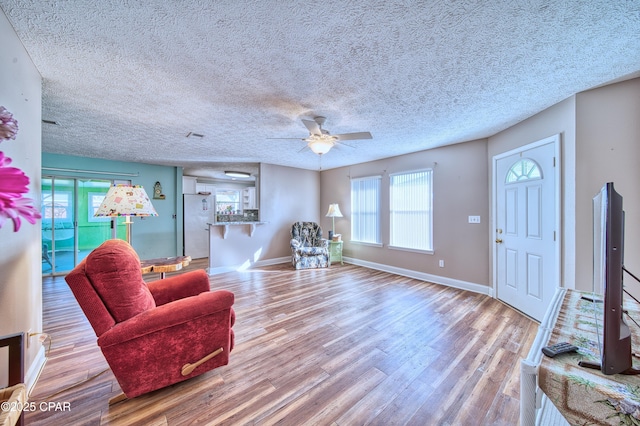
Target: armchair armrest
[[168, 315], [323, 243], [180, 286]]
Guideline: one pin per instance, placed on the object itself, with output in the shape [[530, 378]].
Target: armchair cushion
[[311, 251], [114, 271], [168, 315]]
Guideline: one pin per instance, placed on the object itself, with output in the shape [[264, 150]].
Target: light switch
[[474, 219]]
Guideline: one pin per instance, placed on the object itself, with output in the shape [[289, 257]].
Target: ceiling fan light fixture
[[320, 144], [231, 173]]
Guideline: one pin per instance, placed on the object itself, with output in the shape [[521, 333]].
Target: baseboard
[[436, 279], [33, 373], [248, 265]]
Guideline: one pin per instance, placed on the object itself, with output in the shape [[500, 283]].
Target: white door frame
[[556, 140]]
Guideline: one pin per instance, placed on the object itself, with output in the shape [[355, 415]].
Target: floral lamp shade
[[124, 200]]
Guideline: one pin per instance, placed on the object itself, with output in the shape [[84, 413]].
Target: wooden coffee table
[[164, 264]]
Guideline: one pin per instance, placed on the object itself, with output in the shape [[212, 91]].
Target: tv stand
[[554, 390]]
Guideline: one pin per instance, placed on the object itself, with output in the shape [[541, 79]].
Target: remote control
[[558, 348]]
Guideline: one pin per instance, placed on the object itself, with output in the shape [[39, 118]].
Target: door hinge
[[554, 235], [554, 161]]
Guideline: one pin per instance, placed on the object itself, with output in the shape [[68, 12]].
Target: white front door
[[526, 226]]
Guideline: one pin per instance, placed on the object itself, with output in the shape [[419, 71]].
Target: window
[[60, 209], [522, 170], [94, 199], [228, 201], [365, 210], [411, 210]]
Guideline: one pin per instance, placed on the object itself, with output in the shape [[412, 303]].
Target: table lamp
[[125, 200], [334, 211]]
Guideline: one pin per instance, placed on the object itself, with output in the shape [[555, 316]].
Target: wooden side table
[[164, 265], [335, 251]]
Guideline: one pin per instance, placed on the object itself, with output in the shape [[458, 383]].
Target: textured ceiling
[[129, 80]]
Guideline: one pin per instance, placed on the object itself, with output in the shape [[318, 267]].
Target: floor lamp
[[125, 200]]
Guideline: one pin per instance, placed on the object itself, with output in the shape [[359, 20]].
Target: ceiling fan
[[320, 141]]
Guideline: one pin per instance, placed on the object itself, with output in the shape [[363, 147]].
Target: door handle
[[498, 240]]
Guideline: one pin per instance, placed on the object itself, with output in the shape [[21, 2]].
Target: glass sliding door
[[69, 230], [92, 231], [58, 225]]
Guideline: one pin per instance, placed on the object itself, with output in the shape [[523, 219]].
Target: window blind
[[411, 210], [365, 209]]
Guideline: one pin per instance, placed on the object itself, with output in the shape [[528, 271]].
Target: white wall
[[21, 252]]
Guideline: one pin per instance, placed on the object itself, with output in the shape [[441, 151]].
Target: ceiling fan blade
[[340, 143], [354, 136], [312, 126]]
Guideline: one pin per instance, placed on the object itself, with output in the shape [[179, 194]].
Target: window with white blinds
[[365, 210], [411, 210]]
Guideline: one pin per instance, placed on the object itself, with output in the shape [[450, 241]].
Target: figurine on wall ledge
[[157, 191]]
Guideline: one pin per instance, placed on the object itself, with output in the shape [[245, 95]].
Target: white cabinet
[[205, 187], [249, 198], [188, 185]]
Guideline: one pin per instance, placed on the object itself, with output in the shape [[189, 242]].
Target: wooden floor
[[339, 346]]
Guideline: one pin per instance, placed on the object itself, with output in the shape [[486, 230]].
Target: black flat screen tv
[[608, 264]]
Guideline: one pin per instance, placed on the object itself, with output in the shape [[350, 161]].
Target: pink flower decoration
[[13, 183], [8, 125]]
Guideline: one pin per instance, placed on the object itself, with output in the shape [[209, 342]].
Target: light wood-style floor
[[339, 346]]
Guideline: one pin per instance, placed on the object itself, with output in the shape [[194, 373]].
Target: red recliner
[[157, 334]]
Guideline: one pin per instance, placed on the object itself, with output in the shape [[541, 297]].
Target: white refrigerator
[[198, 211]]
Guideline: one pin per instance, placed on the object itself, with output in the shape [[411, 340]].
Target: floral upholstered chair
[[308, 248]]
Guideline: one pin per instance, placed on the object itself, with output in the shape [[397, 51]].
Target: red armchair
[[156, 334]]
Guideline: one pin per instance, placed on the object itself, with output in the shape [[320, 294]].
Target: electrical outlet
[[441, 263], [474, 219]]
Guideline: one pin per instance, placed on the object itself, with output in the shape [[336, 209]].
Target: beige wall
[[20, 252], [460, 189], [558, 119], [600, 137], [608, 150], [287, 195]]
